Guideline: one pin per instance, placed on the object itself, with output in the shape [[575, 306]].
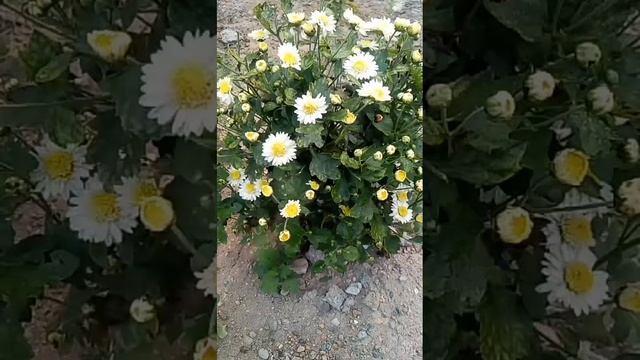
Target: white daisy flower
[[352, 18], [571, 281], [326, 22], [291, 209], [400, 212], [135, 190], [224, 87], [109, 45], [309, 108], [236, 177], [376, 90], [60, 170], [279, 149], [259, 35], [361, 66], [383, 26], [207, 279], [575, 229], [205, 349], [178, 84], [100, 216], [401, 194], [289, 56], [295, 18], [250, 190]]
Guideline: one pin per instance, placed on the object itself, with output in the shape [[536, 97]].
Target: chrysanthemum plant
[[107, 134], [533, 181], [320, 139]]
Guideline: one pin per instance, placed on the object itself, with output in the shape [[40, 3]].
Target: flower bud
[[382, 194], [588, 54], [514, 225], [350, 118], [540, 85], [310, 194], [263, 46], [420, 170], [612, 77], [632, 150], [629, 194], [156, 213], [261, 66], [501, 105], [246, 107], [400, 175], [439, 95], [630, 298], [391, 149], [243, 97], [275, 68], [406, 139], [266, 190], [410, 154], [377, 155], [141, 310], [357, 152], [415, 29], [308, 29], [251, 136], [416, 56], [284, 236], [401, 24], [295, 18], [407, 98], [262, 222], [601, 100], [109, 45], [419, 184], [335, 99], [420, 113]]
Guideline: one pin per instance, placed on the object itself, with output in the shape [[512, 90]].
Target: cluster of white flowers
[[99, 215]]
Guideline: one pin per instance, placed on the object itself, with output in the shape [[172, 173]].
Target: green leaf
[[193, 162], [351, 253], [194, 208], [125, 89], [324, 167], [54, 68], [385, 126], [63, 128], [341, 191], [379, 229], [505, 331], [594, 135], [486, 169], [434, 132], [487, 135], [12, 341], [365, 208], [63, 264], [348, 161], [271, 282], [526, 17], [310, 134]]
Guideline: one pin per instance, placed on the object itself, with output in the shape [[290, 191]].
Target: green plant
[[532, 207], [320, 139], [121, 173]]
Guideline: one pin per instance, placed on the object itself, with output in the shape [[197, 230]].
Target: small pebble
[[263, 354]]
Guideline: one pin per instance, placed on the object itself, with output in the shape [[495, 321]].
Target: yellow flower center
[[579, 277], [279, 150], [360, 66], [630, 299], [226, 87], [403, 196], [210, 354], [378, 94], [346, 211], [419, 218], [105, 207], [193, 86], [235, 175], [59, 165], [104, 41], [250, 187], [157, 213], [292, 210], [576, 165], [401, 175], [310, 108], [403, 211], [520, 226], [382, 194], [324, 19], [145, 190], [290, 58], [577, 230]]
